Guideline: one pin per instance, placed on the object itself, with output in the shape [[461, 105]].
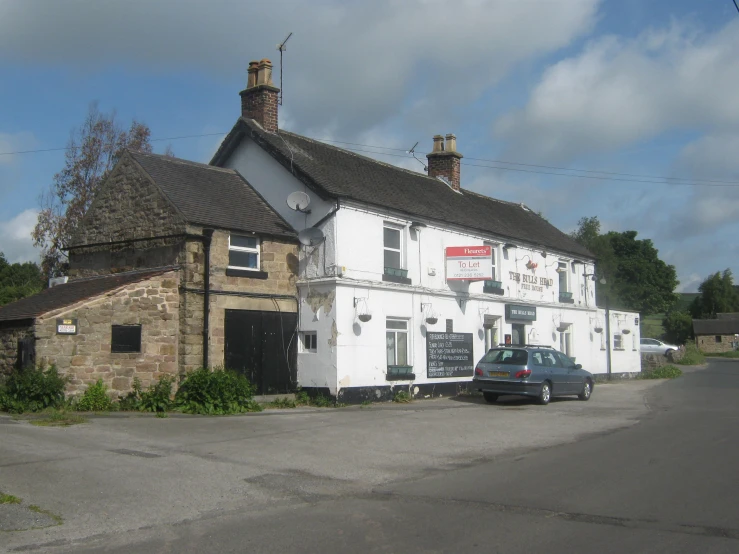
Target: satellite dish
[[310, 236], [298, 201]]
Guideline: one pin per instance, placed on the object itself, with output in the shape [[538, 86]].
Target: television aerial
[[299, 201], [311, 236]]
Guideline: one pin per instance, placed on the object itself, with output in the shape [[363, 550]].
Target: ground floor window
[[618, 343], [309, 341], [565, 343], [718, 338], [125, 338], [396, 339]]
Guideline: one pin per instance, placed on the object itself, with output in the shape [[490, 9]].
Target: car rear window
[[506, 356]]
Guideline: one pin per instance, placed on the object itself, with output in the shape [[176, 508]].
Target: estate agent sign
[[469, 263]]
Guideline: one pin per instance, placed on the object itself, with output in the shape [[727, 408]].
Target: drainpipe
[[207, 237], [608, 340]]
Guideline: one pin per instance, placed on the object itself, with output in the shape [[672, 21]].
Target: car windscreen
[[506, 356]]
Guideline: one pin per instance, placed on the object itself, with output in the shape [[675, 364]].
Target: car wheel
[[545, 393], [490, 397], [669, 351], [587, 389]]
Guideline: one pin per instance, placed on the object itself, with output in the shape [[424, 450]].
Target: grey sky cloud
[[15, 237]]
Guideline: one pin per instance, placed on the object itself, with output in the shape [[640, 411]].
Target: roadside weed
[[402, 397], [664, 372], [9, 499]]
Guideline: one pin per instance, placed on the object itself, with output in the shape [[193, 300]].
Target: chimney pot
[[451, 143], [445, 161], [252, 74], [260, 99], [438, 143], [264, 75]]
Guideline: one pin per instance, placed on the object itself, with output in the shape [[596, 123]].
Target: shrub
[[158, 397], [132, 401], [692, 356], [664, 372], [32, 390], [95, 399], [218, 392], [402, 396]]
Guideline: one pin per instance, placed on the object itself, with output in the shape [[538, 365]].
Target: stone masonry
[[128, 211], [709, 344], [87, 357]]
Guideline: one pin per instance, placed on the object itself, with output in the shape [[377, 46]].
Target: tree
[[92, 152], [18, 280], [636, 278], [717, 295], [678, 327]]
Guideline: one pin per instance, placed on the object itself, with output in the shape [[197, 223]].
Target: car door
[[573, 377], [648, 346], [555, 371]]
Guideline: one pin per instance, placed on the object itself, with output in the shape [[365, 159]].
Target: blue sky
[[627, 86]]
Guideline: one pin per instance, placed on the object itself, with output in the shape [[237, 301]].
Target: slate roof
[[72, 292], [716, 326], [337, 173], [212, 196]]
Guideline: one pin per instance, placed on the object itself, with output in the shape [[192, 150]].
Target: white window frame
[[255, 250], [620, 344], [562, 264], [409, 350], [400, 250], [305, 347], [494, 251]]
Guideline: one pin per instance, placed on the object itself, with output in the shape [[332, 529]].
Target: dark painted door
[[261, 346]]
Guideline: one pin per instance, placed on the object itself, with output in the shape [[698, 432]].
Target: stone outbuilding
[[233, 263], [717, 335]]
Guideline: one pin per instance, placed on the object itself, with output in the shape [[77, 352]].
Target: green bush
[[217, 392], [32, 390], [664, 372], [95, 399], [692, 356], [158, 397], [132, 401], [402, 397]]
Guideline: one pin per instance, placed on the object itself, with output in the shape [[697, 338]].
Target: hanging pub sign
[[66, 326], [469, 263]]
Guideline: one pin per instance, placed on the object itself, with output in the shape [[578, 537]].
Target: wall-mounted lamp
[[509, 245], [417, 225], [543, 253]]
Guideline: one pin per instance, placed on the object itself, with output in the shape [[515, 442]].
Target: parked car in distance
[[654, 346], [537, 371]]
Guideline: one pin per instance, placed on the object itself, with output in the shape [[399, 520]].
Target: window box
[[492, 287], [400, 373], [395, 272], [566, 297]]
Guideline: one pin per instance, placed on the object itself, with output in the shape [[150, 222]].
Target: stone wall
[[10, 334], [128, 207], [708, 343], [278, 259], [87, 357]]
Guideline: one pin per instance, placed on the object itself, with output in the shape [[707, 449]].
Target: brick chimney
[[445, 161], [259, 99]]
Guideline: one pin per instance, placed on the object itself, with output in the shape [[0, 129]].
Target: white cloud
[[15, 237], [349, 65], [620, 91], [13, 142]]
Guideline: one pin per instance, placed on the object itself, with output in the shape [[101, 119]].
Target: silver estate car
[[538, 371]]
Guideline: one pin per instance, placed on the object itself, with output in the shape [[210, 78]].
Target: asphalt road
[[666, 484]]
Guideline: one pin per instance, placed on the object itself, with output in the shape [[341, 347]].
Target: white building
[[416, 277]]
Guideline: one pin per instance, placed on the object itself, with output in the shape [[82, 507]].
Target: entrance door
[[491, 336], [518, 332], [259, 346]]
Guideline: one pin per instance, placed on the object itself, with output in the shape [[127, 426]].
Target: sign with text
[[469, 263], [66, 326], [514, 311], [449, 355]]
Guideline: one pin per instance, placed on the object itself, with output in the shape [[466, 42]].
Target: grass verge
[[692, 356], [56, 418], [52, 515], [731, 354], [664, 372]]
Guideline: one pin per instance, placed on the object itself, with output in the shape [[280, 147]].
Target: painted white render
[[344, 277]]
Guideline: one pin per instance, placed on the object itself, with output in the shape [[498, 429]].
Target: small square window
[[125, 338], [718, 338], [309, 341], [243, 252]]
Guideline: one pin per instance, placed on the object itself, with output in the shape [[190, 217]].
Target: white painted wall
[[275, 183], [317, 312]]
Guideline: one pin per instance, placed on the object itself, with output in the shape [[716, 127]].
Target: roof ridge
[[181, 161], [345, 151]]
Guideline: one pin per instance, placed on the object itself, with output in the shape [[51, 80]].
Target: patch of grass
[[366, 404], [57, 418], [692, 356], [9, 499], [52, 515], [664, 372], [282, 403], [402, 397], [731, 354]]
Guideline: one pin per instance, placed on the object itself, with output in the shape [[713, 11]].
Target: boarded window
[[125, 338]]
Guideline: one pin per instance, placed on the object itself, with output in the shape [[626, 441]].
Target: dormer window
[[243, 253]]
